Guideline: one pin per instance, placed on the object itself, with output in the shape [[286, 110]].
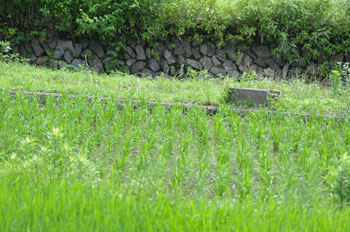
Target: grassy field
[[75, 165], [297, 96]]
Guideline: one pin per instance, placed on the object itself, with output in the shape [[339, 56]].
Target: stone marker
[[252, 97]]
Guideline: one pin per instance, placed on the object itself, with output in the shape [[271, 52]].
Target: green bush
[[6, 53], [312, 28], [101, 18]]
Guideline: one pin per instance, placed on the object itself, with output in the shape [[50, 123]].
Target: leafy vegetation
[[7, 55], [87, 166], [313, 28]]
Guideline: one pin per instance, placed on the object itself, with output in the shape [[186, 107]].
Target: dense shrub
[[290, 27], [103, 18]]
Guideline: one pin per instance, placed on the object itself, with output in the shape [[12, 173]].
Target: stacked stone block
[[169, 58]]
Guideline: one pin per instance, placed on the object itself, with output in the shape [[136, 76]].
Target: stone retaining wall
[[170, 58]]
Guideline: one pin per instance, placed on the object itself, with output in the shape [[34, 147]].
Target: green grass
[[297, 96], [75, 165], [17, 76]]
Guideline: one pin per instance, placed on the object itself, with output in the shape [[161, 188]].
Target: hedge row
[[290, 27]]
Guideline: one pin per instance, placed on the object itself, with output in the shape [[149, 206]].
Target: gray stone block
[[130, 62], [77, 63], [181, 60], [261, 62], [221, 55], [262, 52], [47, 49], [164, 65], [252, 97], [58, 53], [234, 74], [96, 63], [68, 57], [97, 48], [254, 68], [210, 50], [148, 53], [206, 62], [229, 66], [126, 56], [65, 45], [196, 54], [203, 49], [52, 42], [169, 57], [172, 70], [62, 47], [240, 57], [194, 64], [252, 55], [230, 53], [130, 52], [243, 69], [77, 50], [215, 61], [273, 65], [120, 62], [140, 52], [247, 61], [285, 71], [179, 49], [153, 65], [38, 50], [138, 67], [218, 71], [148, 72]]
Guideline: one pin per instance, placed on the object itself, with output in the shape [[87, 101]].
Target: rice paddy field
[[87, 165]]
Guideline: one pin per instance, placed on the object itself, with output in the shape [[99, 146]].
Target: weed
[[7, 55]]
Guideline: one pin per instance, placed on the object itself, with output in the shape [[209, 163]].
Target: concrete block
[[252, 97]]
